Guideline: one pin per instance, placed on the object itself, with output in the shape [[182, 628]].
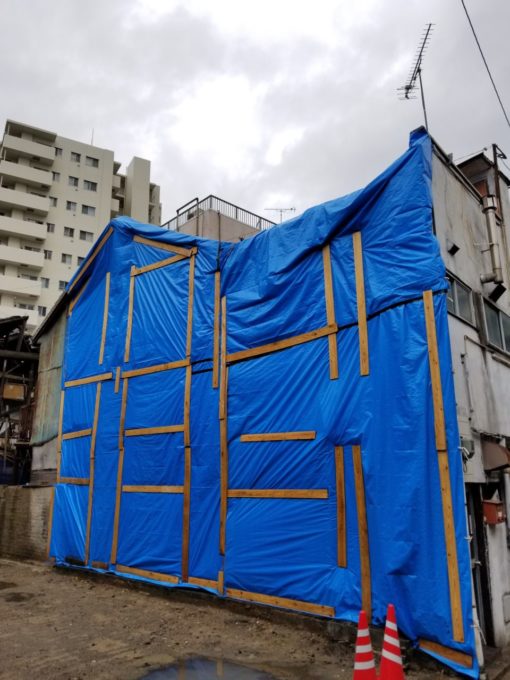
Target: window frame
[[75, 157], [452, 295], [71, 203], [500, 317], [69, 232], [73, 181]]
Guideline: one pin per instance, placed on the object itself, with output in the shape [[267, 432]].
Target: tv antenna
[[410, 87], [281, 211]]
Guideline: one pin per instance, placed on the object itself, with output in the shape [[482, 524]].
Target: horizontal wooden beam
[[282, 344], [89, 380], [186, 252], [99, 565], [278, 493], [278, 436], [158, 368], [78, 481], [163, 429], [283, 602], [203, 582], [77, 434], [130, 488], [157, 265], [145, 573], [447, 652]]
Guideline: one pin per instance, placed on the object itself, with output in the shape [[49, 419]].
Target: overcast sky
[[266, 103]]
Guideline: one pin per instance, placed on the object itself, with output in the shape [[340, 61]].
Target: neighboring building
[[56, 196], [472, 213]]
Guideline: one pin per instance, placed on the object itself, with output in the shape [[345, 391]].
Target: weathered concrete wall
[[24, 514], [211, 224]]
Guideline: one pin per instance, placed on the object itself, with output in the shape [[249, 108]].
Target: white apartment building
[[56, 196]]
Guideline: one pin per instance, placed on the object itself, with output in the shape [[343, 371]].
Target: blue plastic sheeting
[[107, 516]]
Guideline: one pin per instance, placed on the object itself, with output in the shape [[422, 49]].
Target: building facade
[[56, 196]]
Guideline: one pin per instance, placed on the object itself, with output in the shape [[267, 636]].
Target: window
[[88, 210], [71, 205], [58, 151], [86, 236], [50, 227], [73, 181], [93, 162], [69, 231], [24, 305], [75, 157], [80, 260], [45, 283], [89, 186], [53, 201], [66, 259], [48, 254], [42, 311], [33, 249], [56, 176], [28, 277], [498, 326], [459, 300], [62, 285]]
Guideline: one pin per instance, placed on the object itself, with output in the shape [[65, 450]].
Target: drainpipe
[[489, 209]]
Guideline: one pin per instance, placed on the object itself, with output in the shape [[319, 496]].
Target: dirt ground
[[58, 624]]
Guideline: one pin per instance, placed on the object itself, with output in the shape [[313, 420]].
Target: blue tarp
[[107, 516]]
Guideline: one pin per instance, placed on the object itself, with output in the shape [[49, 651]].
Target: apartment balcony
[[27, 230], [23, 200], [33, 317], [30, 258], [16, 147], [15, 285], [115, 205], [24, 173]]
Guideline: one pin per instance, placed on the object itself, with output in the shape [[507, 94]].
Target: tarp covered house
[[274, 420]]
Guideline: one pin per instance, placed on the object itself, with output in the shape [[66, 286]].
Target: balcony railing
[[221, 206]]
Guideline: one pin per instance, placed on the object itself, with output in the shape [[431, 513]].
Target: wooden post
[[105, 317], [330, 311], [223, 428], [444, 469], [120, 466], [185, 514], [366, 592], [216, 330], [59, 463], [360, 299], [340, 507], [92, 470], [131, 303]]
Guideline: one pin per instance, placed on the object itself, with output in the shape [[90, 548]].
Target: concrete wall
[[24, 514], [213, 225]]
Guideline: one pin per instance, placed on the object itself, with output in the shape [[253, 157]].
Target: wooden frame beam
[[364, 547], [148, 488], [361, 303], [341, 527], [282, 602], [77, 434], [131, 304], [105, 318], [145, 573], [120, 468], [203, 582], [162, 429], [137, 271], [296, 494], [75, 481], [91, 259], [223, 428], [92, 471], [89, 380], [330, 311], [447, 652], [216, 330], [178, 250], [158, 368], [278, 436]]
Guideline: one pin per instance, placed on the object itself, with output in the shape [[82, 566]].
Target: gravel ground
[[58, 624]]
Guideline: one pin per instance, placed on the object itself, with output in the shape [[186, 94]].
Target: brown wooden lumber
[[153, 575], [221, 581], [89, 380], [76, 481], [117, 379], [447, 652], [187, 406], [59, 435], [105, 318], [92, 471], [360, 301], [162, 429], [330, 311], [157, 265], [186, 514], [444, 470], [99, 565], [216, 330], [191, 294], [131, 304], [282, 344], [278, 493], [223, 360], [203, 582], [278, 436], [340, 507], [76, 299], [223, 483], [148, 488], [120, 467], [186, 252], [77, 434], [283, 602], [366, 588], [91, 259], [158, 368]]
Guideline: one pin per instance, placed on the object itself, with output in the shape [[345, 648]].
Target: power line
[[486, 64]]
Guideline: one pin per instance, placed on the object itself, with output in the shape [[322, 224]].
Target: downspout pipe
[[489, 209]]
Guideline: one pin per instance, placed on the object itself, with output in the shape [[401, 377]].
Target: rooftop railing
[[195, 207]]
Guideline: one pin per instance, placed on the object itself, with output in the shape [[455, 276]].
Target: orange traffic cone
[[391, 658], [364, 664]]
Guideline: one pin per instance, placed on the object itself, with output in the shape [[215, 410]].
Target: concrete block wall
[[24, 514]]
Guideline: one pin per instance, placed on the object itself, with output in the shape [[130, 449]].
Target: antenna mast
[[282, 211], [415, 73]]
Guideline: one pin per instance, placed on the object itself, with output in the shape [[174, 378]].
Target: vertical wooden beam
[[120, 466], [216, 330], [221, 581], [117, 379], [187, 406], [340, 507], [191, 293], [131, 303], [223, 360], [105, 317], [444, 470], [330, 311], [223, 428], [360, 299], [59, 465], [185, 514], [92, 470], [366, 589]]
